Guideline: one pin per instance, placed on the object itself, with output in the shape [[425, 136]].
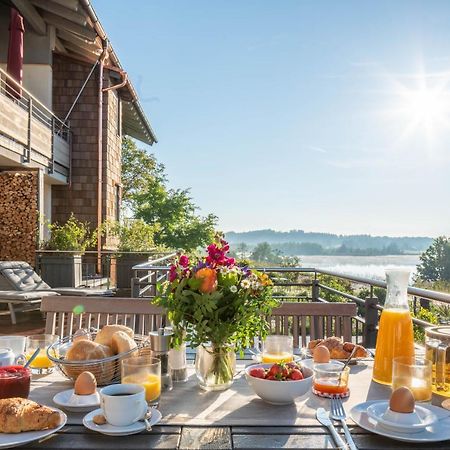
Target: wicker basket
[[106, 370]]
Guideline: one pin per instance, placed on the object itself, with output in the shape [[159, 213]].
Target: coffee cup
[[123, 404]]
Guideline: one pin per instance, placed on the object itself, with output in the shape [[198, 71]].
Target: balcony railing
[[299, 284], [31, 131]]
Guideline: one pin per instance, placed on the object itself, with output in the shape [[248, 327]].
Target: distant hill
[[356, 242]]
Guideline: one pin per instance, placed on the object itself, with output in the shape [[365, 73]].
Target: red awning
[[15, 51]]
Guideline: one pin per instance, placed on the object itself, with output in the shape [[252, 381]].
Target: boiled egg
[[402, 400], [85, 384], [321, 354]]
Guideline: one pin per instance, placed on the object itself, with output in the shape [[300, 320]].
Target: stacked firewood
[[18, 215]]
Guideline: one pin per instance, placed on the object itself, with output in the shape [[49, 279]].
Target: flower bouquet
[[217, 306]]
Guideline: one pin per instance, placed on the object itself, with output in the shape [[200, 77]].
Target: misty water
[[363, 266]]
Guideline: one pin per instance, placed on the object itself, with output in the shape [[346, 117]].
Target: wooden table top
[[235, 418]]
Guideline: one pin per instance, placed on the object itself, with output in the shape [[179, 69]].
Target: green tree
[[263, 253], [435, 261], [171, 211]]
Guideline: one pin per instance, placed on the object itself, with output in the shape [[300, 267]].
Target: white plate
[[9, 440], [437, 431], [111, 430], [62, 400], [420, 419]]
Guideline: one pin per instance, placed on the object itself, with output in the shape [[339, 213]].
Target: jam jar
[[14, 381]]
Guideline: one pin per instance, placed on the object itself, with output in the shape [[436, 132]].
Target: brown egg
[[402, 400], [321, 354], [85, 384]]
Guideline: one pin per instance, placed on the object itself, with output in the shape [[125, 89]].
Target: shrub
[[74, 235]]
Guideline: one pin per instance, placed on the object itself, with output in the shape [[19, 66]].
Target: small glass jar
[[14, 382], [41, 364], [178, 363], [331, 379]]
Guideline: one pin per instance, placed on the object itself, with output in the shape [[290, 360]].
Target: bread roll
[[86, 351], [121, 343], [104, 336]]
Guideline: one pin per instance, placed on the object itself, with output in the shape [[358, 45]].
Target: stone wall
[[18, 215]]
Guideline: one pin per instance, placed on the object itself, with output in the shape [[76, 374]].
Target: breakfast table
[[235, 418]]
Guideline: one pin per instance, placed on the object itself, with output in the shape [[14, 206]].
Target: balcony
[[30, 134]]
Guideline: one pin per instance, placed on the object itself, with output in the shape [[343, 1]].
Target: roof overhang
[[78, 32]]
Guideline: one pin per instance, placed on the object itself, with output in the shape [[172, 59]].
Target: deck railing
[[300, 284], [33, 131]]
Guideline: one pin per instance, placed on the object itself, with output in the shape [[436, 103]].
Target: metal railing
[[301, 284], [57, 151], [93, 274]]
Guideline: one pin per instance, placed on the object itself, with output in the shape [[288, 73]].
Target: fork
[[338, 413]]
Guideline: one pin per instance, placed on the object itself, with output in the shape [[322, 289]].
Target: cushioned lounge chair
[[21, 285]]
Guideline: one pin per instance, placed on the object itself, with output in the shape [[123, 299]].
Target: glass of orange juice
[[277, 348], [413, 372], [41, 364], [145, 371]]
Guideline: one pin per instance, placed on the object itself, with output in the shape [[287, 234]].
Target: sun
[[426, 107]]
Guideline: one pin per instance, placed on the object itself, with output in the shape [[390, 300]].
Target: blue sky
[[316, 115]]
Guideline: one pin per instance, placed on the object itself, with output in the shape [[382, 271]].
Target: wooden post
[[135, 287], [371, 318]]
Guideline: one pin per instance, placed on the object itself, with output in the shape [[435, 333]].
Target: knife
[[324, 418]]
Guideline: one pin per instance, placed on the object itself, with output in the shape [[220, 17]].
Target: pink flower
[[230, 262], [184, 261], [172, 273]]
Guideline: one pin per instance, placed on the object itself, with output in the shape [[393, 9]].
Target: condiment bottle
[[159, 348]]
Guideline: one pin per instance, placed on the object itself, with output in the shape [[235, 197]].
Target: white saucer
[[111, 430], [9, 440], [439, 430], [406, 423], [62, 399]]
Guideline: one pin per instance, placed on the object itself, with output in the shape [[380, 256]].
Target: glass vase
[[215, 366]]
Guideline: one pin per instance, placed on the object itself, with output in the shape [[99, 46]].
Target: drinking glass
[[277, 348], [413, 372], [41, 364], [145, 371], [331, 378]]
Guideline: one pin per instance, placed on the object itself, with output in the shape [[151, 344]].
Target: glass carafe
[[395, 330], [437, 342]]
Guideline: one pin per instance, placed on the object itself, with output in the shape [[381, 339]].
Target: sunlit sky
[[316, 115]]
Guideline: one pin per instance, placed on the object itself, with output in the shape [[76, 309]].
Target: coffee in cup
[[123, 404]]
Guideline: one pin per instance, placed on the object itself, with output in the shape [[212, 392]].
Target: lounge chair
[[21, 285]]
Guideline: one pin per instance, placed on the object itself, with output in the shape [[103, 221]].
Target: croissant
[[338, 349], [19, 414]]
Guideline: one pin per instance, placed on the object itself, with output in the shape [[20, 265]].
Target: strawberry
[[276, 371], [270, 377], [257, 372], [296, 375]]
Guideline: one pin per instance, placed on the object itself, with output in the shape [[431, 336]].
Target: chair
[[19, 282], [65, 315], [324, 319]]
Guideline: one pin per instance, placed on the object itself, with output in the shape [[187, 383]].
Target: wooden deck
[[30, 322]]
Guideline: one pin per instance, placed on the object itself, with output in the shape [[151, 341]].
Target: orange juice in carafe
[[395, 331]]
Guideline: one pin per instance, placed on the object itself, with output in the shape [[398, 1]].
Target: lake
[[363, 266]]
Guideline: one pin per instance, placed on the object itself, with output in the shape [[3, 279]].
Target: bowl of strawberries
[[280, 383]]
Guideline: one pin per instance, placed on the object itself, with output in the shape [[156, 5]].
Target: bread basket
[[105, 370]]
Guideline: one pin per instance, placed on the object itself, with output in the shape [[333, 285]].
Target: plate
[[307, 354], [62, 400], [420, 419], [111, 430], [9, 440], [437, 431]]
